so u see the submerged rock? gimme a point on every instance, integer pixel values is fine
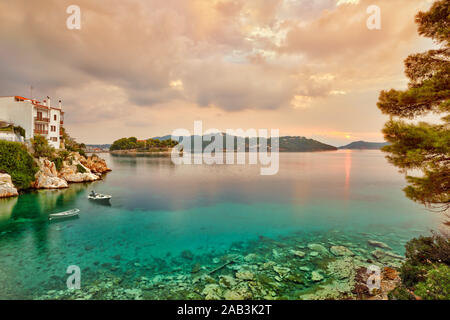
(212, 292)
(341, 251)
(196, 268)
(298, 253)
(186, 254)
(245, 275)
(240, 292)
(316, 276)
(251, 257)
(378, 244)
(342, 268)
(318, 248)
(282, 271)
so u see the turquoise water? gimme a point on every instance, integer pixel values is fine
(165, 219)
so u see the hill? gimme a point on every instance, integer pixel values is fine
(364, 145)
(286, 143)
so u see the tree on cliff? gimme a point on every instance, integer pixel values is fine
(423, 146)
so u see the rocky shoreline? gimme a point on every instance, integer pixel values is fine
(75, 169)
(268, 269)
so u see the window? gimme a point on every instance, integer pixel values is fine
(54, 139)
(54, 117)
(53, 128)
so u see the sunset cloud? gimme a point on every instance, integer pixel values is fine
(298, 59)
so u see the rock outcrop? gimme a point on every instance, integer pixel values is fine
(71, 174)
(7, 188)
(387, 280)
(95, 164)
(47, 176)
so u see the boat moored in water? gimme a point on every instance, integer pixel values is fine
(98, 196)
(64, 215)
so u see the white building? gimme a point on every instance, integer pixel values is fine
(35, 117)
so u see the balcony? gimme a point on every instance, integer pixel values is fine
(61, 122)
(37, 119)
(37, 131)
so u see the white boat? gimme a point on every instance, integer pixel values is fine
(65, 214)
(98, 196)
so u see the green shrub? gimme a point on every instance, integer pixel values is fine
(80, 168)
(41, 147)
(18, 163)
(400, 293)
(425, 250)
(437, 284)
(412, 274)
(63, 154)
(426, 270)
(82, 153)
(58, 163)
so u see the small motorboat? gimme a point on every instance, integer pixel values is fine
(64, 215)
(98, 196)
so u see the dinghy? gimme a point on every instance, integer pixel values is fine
(64, 215)
(98, 196)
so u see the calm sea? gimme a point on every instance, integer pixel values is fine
(159, 210)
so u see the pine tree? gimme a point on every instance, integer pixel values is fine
(420, 146)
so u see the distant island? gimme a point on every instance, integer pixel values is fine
(165, 144)
(364, 145)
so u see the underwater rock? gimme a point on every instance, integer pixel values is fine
(298, 253)
(251, 257)
(196, 268)
(227, 281)
(268, 265)
(186, 254)
(383, 255)
(305, 269)
(341, 251)
(378, 244)
(133, 293)
(318, 248)
(316, 276)
(275, 253)
(282, 271)
(342, 268)
(245, 275)
(297, 278)
(240, 292)
(314, 254)
(116, 257)
(212, 292)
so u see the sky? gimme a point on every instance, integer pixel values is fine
(145, 68)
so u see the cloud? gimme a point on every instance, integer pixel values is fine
(226, 55)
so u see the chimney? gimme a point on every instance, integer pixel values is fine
(48, 101)
(60, 105)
